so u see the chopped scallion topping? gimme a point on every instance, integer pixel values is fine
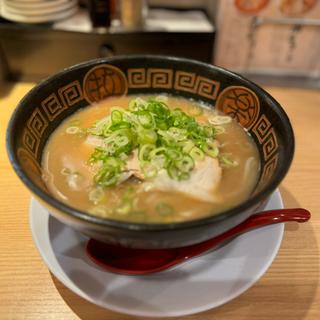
(124, 208)
(168, 139)
(116, 116)
(164, 209)
(73, 130)
(219, 120)
(227, 162)
(196, 153)
(96, 195)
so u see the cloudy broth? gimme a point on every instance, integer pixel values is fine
(70, 177)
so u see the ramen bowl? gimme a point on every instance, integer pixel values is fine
(53, 100)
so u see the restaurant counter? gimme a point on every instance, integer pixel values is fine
(289, 289)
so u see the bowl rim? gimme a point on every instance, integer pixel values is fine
(134, 226)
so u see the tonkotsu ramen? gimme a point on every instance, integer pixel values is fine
(151, 160)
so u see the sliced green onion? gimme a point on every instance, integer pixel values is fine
(121, 140)
(109, 173)
(219, 120)
(174, 154)
(186, 164)
(187, 146)
(116, 116)
(164, 209)
(118, 126)
(158, 108)
(144, 152)
(176, 174)
(162, 124)
(227, 162)
(124, 208)
(99, 154)
(137, 104)
(196, 153)
(219, 130)
(157, 151)
(146, 136)
(133, 106)
(177, 134)
(146, 120)
(96, 195)
(106, 177)
(167, 139)
(212, 152)
(209, 131)
(73, 130)
(211, 148)
(100, 127)
(111, 161)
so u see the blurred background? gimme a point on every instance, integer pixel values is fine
(272, 42)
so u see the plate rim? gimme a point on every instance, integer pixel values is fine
(61, 276)
(37, 11)
(39, 18)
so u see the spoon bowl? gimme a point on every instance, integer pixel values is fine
(145, 261)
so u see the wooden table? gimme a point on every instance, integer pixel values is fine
(290, 289)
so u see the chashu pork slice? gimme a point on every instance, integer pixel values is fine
(202, 184)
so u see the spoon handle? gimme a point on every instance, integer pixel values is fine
(258, 220)
(276, 216)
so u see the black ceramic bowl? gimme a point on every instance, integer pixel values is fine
(57, 97)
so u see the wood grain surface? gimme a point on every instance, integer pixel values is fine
(289, 290)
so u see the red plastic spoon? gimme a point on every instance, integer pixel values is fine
(144, 261)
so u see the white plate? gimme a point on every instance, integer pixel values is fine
(36, 10)
(35, 2)
(38, 19)
(198, 285)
